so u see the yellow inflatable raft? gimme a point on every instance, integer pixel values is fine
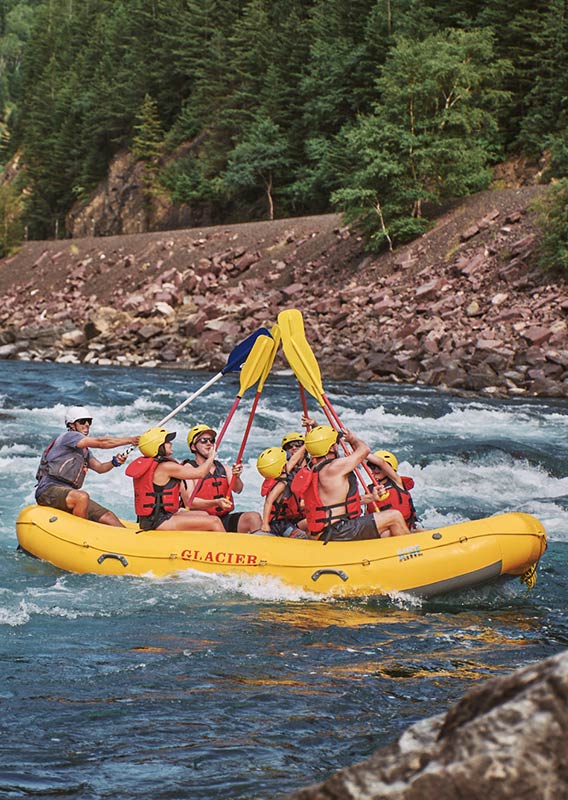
(426, 563)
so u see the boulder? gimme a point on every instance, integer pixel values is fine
(504, 740)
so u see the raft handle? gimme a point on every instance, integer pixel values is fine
(122, 559)
(339, 572)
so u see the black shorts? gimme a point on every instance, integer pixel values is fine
(347, 530)
(151, 523)
(231, 521)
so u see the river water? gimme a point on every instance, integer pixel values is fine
(197, 687)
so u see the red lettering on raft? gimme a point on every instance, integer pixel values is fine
(222, 557)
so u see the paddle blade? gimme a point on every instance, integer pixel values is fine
(255, 362)
(238, 354)
(299, 353)
(275, 333)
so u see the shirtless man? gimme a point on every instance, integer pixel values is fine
(332, 504)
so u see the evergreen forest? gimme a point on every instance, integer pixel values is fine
(255, 109)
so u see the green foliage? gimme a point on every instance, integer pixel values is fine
(148, 139)
(426, 140)
(554, 225)
(257, 160)
(372, 102)
(11, 218)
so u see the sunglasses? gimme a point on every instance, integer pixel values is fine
(293, 444)
(85, 421)
(206, 440)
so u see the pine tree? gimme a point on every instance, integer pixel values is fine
(428, 137)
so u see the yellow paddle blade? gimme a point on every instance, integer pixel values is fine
(275, 333)
(299, 353)
(255, 363)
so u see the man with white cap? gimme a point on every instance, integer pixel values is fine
(64, 464)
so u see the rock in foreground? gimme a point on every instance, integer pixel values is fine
(505, 740)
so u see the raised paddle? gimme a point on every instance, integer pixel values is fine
(275, 333)
(235, 361)
(251, 372)
(306, 368)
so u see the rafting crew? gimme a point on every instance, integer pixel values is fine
(65, 462)
(332, 504)
(283, 513)
(210, 493)
(391, 490)
(157, 478)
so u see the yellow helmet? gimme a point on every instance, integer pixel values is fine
(151, 440)
(320, 439)
(271, 462)
(293, 436)
(389, 457)
(196, 431)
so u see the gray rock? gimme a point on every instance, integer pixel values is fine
(505, 740)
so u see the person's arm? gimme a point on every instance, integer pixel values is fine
(235, 470)
(346, 464)
(173, 469)
(106, 466)
(271, 497)
(106, 442)
(298, 456)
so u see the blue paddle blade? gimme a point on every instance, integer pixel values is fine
(238, 355)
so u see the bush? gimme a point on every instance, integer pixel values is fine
(553, 220)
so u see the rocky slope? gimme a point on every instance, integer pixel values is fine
(463, 307)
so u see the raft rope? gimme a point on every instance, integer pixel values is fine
(529, 577)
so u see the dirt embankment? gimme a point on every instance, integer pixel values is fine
(463, 307)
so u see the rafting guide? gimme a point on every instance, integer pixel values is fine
(65, 462)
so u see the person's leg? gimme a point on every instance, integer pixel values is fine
(77, 502)
(98, 513)
(110, 518)
(249, 521)
(390, 523)
(192, 521)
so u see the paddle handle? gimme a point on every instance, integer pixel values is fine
(244, 442)
(189, 399)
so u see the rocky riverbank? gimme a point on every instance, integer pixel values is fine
(464, 307)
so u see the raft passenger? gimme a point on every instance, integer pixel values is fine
(282, 513)
(157, 477)
(212, 493)
(64, 464)
(392, 490)
(332, 504)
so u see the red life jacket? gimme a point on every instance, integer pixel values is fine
(150, 499)
(319, 516)
(286, 507)
(399, 499)
(214, 486)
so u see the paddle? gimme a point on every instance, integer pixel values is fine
(235, 361)
(306, 368)
(251, 372)
(275, 333)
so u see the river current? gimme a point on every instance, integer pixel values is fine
(234, 689)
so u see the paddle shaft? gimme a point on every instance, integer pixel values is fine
(244, 442)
